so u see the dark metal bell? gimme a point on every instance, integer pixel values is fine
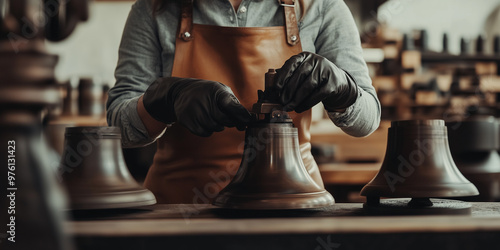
(474, 143)
(418, 164)
(95, 173)
(272, 174)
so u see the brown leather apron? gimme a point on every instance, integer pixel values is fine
(192, 169)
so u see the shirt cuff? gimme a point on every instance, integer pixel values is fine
(348, 117)
(134, 133)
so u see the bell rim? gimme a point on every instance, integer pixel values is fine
(276, 201)
(428, 191)
(408, 123)
(111, 200)
(399, 206)
(93, 131)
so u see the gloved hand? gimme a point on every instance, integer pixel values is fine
(201, 106)
(307, 79)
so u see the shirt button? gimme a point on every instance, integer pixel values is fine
(243, 9)
(231, 19)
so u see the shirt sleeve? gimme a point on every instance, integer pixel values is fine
(139, 64)
(339, 41)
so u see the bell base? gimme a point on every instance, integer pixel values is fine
(403, 207)
(230, 213)
(110, 200)
(488, 185)
(275, 202)
(421, 191)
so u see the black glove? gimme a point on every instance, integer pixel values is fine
(307, 79)
(201, 106)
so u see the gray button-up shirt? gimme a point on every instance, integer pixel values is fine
(148, 45)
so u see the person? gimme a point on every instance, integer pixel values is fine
(189, 71)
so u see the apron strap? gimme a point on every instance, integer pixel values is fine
(186, 23)
(291, 27)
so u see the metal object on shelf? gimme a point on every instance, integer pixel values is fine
(323, 152)
(445, 43)
(408, 42)
(90, 97)
(417, 165)
(95, 173)
(496, 45)
(463, 46)
(479, 45)
(70, 100)
(424, 40)
(69, 13)
(272, 175)
(474, 143)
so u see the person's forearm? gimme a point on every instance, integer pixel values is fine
(154, 127)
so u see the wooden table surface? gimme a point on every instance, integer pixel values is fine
(202, 226)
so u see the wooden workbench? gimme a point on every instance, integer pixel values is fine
(345, 180)
(342, 226)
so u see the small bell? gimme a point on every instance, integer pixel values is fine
(95, 173)
(474, 143)
(272, 175)
(418, 165)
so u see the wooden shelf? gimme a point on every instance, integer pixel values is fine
(433, 57)
(348, 173)
(80, 121)
(352, 149)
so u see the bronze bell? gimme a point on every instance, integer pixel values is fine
(95, 173)
(272, 174)
(418, 165)
(474, 143)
